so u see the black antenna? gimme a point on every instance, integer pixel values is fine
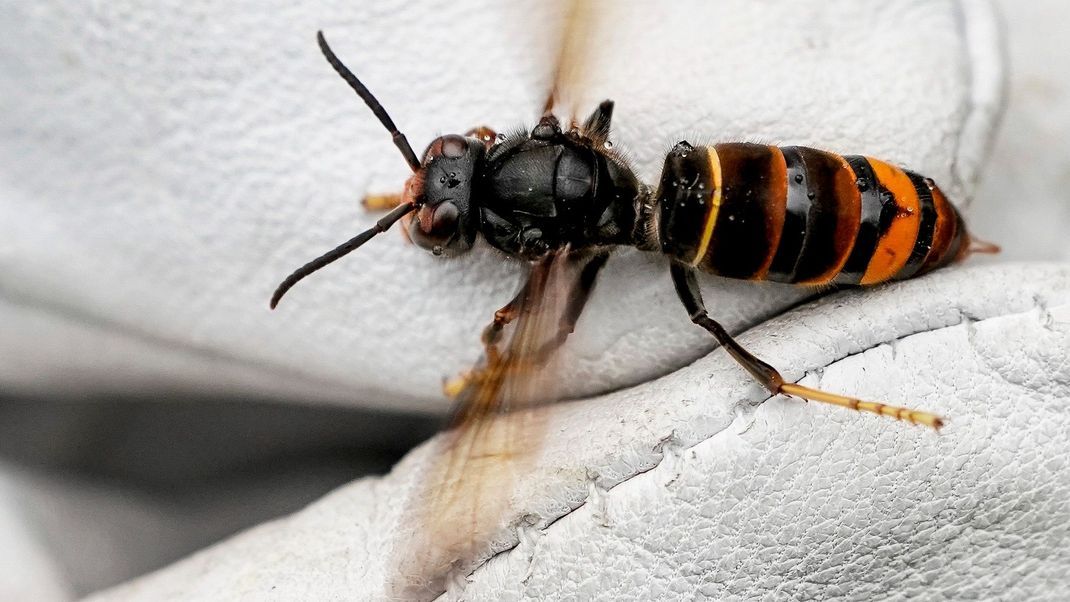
(365, 94)
(340, 251)
(383, 224)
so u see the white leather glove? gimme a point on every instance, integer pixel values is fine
(696, 484)
(161, 241)
(174, 165)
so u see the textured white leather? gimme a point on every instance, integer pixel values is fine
(696, 484)
(28, 568)
(1028, 159)
(163, 166)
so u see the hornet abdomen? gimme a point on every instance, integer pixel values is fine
(800, 215)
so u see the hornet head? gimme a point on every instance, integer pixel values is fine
(446, 220)
(439, 191)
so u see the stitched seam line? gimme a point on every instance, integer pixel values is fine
(752, 406)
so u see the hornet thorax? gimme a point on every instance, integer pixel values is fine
(549, 188)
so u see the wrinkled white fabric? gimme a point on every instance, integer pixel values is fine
(28, 568)
(1023, 195)
(695, 485)
(165, 165)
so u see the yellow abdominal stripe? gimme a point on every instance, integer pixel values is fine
(715, 207)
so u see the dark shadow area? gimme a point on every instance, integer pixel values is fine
(162, 443)
(153, 480)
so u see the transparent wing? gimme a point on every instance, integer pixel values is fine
(464, 494)
(572, 59)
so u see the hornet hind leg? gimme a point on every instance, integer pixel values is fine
(687, 288)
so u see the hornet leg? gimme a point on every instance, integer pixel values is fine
(574, 308)
(687, 288)
(492, 334)
(381, 202)
(534, 285)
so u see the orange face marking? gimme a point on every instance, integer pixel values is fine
(894, 248)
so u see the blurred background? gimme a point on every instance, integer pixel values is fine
(1023, 200)
(108, 473)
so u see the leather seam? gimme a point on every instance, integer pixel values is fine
(749, 407)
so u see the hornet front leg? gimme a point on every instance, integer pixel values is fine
(530, 293)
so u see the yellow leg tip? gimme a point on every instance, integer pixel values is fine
(905, 414)
(380, 202)
(453, 387)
